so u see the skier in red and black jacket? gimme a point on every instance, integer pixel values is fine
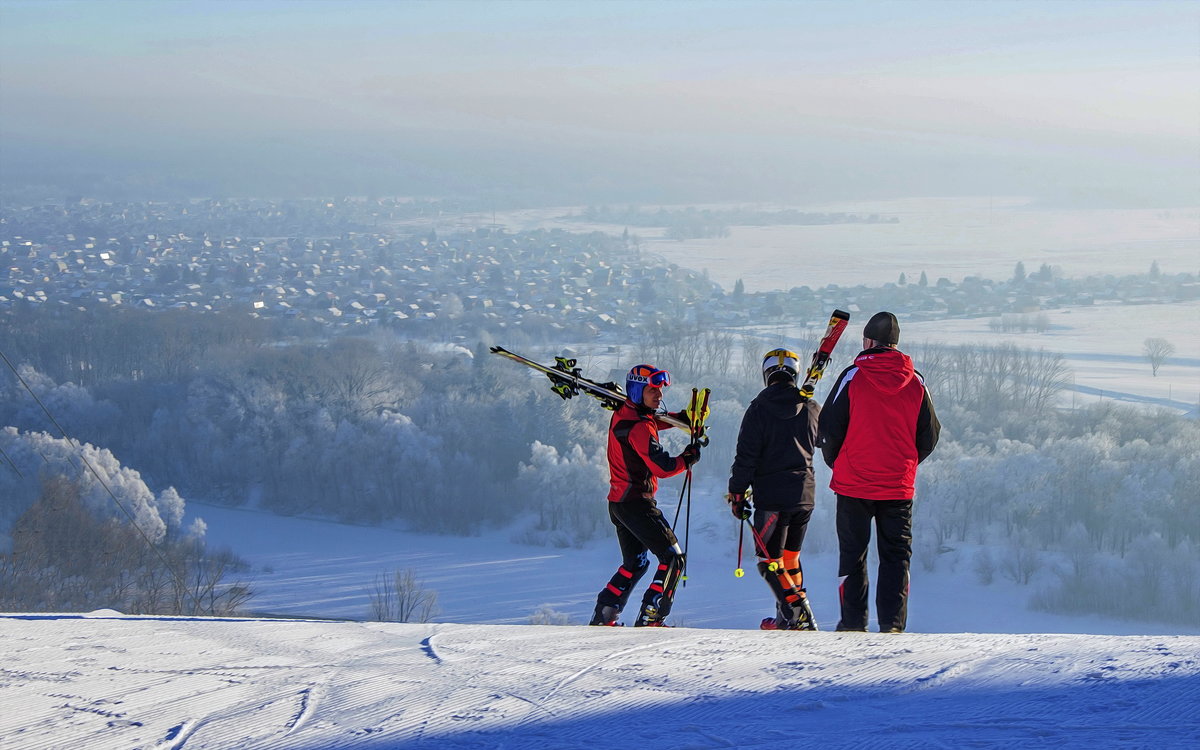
(877, 424)
(636, 462)
(775, 448)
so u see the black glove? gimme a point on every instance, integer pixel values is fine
(691, 454)
(739, 505)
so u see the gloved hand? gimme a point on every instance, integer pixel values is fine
(739, 506)
(691, 454)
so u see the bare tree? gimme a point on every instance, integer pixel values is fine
(717, 353)
(1157, 350)
(752, 351)
(994, 377)
(1022, 560)
(400, 597)
(201, 585)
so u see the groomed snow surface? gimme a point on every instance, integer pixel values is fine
(106, 681)
(479, 678)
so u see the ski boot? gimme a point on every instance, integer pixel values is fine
(650, 617)
(605, 615)
(802, 614)
(783, 619)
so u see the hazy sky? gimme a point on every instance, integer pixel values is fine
(1085, 102)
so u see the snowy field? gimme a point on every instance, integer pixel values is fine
(103, 682)
(951, 237)
(1101, 344)
(311, 568)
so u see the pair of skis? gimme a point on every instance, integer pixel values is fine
(568, 381)
(820, 358)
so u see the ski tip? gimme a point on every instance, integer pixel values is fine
(841, 315)
(499, 350)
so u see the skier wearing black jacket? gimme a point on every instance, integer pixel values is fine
(774, 457)
(877, 425)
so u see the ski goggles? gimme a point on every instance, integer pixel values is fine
(647, 375)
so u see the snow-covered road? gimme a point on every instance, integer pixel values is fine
(107, 681)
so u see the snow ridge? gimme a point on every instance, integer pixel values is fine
(176, 684)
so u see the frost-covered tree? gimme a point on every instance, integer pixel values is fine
(107, 489)
(566, 491)
(52, 406)
(66, 556)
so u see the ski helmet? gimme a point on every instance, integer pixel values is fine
(780, 360)
(640, 377)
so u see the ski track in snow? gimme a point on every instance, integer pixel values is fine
(190, 684)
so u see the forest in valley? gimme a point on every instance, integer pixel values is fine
(1092, 506)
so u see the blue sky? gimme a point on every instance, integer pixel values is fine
(721, 100)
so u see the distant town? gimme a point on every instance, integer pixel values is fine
(349, 263)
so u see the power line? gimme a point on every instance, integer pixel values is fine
(11, 463)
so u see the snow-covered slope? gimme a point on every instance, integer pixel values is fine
(107, 681)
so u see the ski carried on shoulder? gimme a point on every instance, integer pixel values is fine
(820, 359)
(568, 381)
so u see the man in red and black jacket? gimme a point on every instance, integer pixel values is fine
(877, 424)
(636, 462)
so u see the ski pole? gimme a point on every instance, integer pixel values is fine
(687, 478)
(760, 545)
(684, 492)
(738, 572)
(687, 524)
(760, 548)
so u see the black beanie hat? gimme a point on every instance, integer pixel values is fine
(883, 327)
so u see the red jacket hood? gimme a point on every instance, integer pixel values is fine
(886, 370)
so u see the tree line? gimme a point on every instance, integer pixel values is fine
(372, 428)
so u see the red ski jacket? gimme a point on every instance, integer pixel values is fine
(636, 461)
(876, 425)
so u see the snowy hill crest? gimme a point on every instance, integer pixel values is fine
(110, 681)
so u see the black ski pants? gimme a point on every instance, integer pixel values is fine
(893, 522)
(779, 530)
(778, 537)
(640, 527)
